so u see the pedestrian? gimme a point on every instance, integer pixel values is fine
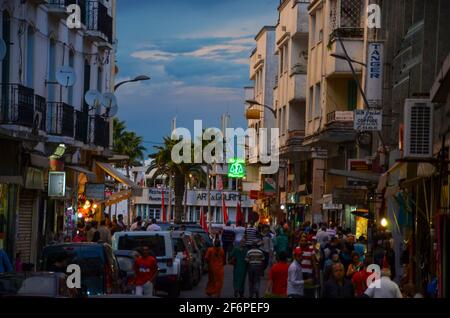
(136, 224)
(338, 286)
(295, 282)
(145, 269)
(237, 258)
(104, 232)
(60, 261)
(359, 279)
(384, 287)
(278, 277)
(153, 226)
(91, 233)
(360, 248)
(309, 265)
(5, 263)
(121, 223)
(281, 242)
(228, 237)
(255, 260)
(322, 235)
(355, 266)
(266, 246)
(239, 231)
(215, 257)
(80, 235)
(251, 235)
(327, 270)
(346, 255)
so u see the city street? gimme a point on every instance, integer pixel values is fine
(227, 291)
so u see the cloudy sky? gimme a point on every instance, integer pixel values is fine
(195, 51)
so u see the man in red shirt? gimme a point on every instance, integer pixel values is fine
(145, 268)
(278, 277)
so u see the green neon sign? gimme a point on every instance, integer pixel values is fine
(236, 168)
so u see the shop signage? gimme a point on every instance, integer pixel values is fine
(269, 185)
(374, 79)
(349, 196)
(368, 120)
(56, 184)
(95, 191)
(236, 168)
(359, 165)
(318, 153)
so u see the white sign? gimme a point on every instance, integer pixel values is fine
(374, 81)
(56, 184)
(318, 153)
(368, 120)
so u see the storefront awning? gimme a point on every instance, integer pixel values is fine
(116, 174)
(373, 177)
(90, 175)
(116, 198)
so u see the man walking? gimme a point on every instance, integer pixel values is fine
(104, 232)
(254, 259)
(145, 268)
(228, 236)
(278, 277)
(338, 286)
(153, 226)
(384, 287)
(295, 281)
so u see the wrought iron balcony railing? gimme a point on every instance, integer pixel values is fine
(60, 119)
(346, 18)
(16, 105)
(99, 131)
(81, 126)
(99, 23)
(40, 109)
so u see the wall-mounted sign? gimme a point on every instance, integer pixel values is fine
(236, 168)
(368, 120)
(359, 165)
(95, 191)
(374, 81)
(318, 153)
(56, 184)
(270, 185)
(349, 196)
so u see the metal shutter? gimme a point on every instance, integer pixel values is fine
(24, 225)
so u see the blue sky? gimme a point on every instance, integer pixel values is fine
(195, 51)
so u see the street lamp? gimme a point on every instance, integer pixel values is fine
(252, 103)
(136, 79)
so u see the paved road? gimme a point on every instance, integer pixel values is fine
(227, 292)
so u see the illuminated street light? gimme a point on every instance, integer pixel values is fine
(282, 207)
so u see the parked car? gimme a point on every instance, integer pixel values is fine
(100, 273)
(126, 261)
(160, 243)
(190, 258)
(36, 284)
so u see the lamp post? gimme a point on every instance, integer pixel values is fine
(252, 103)
(136, 79)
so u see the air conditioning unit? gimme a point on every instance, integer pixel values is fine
(418, 134)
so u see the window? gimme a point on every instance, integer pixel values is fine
(99, 84)
(281, 60)
(30, 57)
(311, 102)
(317, 101)
(286, 57)
(313, 30)
(87, 82)
(352, 94)
(70, 92)
(6, 35)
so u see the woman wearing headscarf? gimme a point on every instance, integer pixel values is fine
(215, 258)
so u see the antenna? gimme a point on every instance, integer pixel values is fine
(93, 98)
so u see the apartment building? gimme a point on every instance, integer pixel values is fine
(46, 127)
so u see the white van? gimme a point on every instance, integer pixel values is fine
(160, 243)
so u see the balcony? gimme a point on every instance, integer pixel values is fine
(59, 7)
(292, 142)
(99, 24)
(339, 127)
(60, 119)
(81, 126)
(346, 19)
(99, 131)
(301, 18)
(40, 107)
(297, 83)
(16, 105)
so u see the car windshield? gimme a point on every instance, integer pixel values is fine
(134, 242)
(33, 285)
(125, 263)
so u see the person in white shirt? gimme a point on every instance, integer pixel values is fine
(135, 225)
(295, 284)
(239, 231)
(384, 287)
(153, 226)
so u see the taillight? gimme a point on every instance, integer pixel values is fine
(170, 262)
(108, 279)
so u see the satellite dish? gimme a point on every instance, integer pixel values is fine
(111, 112)
(109, 100)
(65, 76)
(93, 98)
(3, 49)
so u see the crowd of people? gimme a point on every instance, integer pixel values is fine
(312, 261)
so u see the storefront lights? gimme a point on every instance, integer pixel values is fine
(384, 222)
(80, 215)
(283, 207)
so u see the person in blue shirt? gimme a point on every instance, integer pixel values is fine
(360, 248)
(5, 263)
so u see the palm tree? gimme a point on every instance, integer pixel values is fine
(127, 143)
(163, 165)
